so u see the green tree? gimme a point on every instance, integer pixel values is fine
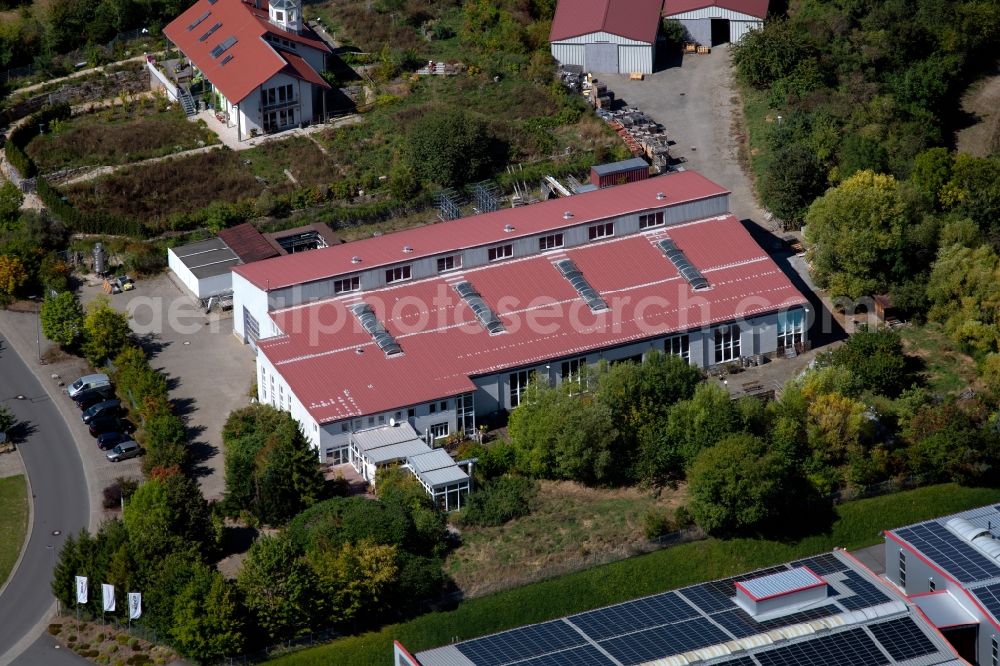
(767, 55)
(10, 205)
(207, 619)
(500, 501)
(279, 588)
(356, 579)
(931, 172)
(271, 470)
(62, 319)
(6, 419)
(856, 234)
(876, 361)
(964, 291)
(168, 514)
(697, 424)
(792, 181)
(105, 331)
(737, 485)
(450, 147)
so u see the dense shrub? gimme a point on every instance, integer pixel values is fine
(499, 501)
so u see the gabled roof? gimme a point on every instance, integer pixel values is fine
(633, 19)
(225, 40)
(756, 8)
(300, 69)
(248, 243)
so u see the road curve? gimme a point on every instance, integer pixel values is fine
(60, 502)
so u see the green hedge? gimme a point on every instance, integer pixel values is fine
(28, 130)
(858, 524)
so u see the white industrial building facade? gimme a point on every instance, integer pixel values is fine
(606, 36)
(435, 327)
(717, 22)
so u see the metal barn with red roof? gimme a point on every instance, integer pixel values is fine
(442, 326)
(606, 36)
(712, 22)
(261, 61)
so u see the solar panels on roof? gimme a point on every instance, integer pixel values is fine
(223, 46)
(950, 551)
(681, 263)
(483, 313)
(210, 31)
(385, 341)
(576, 279)
(902, 639)
(198, 21)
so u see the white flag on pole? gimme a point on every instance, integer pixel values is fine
(81, 589)
(134, 605)
(109, 597)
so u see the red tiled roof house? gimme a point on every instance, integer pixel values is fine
(606, 36)
(262, 63)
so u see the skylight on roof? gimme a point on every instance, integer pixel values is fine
(575, 277)
(681, 263)
(210, 31)
(226, 59)
(374, 327)
(199, 20)
(479, 307)
(223, 46)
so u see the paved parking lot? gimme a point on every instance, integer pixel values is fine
(208, 369)
(695, 101)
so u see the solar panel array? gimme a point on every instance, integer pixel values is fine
(702, 615)
(902, 639)
(949, 551)
(865, 594)
(575, 277)
(849, 648)
(374, 327)
(681, 263)
(989, 597)
(483, 313)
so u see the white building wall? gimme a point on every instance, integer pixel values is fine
(272, 389)
(715, 12)
(315, 57)
(246, 295)
(737, 29)
(182, 272)
(569, 54)
(635, 59)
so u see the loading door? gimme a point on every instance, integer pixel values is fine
(602, 58)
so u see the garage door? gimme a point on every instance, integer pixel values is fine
(602, 58)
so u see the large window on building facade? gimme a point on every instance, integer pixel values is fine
(550, 242)
(902, 568)
(397, 274)
(791, 328)
(500, 252)
(678, 345)
(569, 371)
(517, 384)
(727, 343)
(347, 285)
(465, 412)
(651, 220)
(601, 230)
(449, 263)
(439, 430)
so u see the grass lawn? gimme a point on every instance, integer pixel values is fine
(759, 119)
(135, 131)
(572, 527)
(947, 370)
(858, 524)
(13, 522)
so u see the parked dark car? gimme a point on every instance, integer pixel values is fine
(110, 440)
(106, 408)
(103, 424)
(88, 399)
(124, 451)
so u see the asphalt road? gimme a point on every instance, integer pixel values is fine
(59, 492)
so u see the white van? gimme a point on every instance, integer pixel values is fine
(87, 382)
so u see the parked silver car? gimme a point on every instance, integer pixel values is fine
(124, 451)
(87, 382)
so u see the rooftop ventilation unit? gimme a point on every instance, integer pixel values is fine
(478, 306)
(355, 259)
(681, 263)
(792, 588)
(508, 228)
(575, 278)
(407, 249)
(374, 327)
(660, 196)
(568, 215)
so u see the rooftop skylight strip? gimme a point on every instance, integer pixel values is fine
(478, 305)
(385, 341)
(576, 279)
(681, 263)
